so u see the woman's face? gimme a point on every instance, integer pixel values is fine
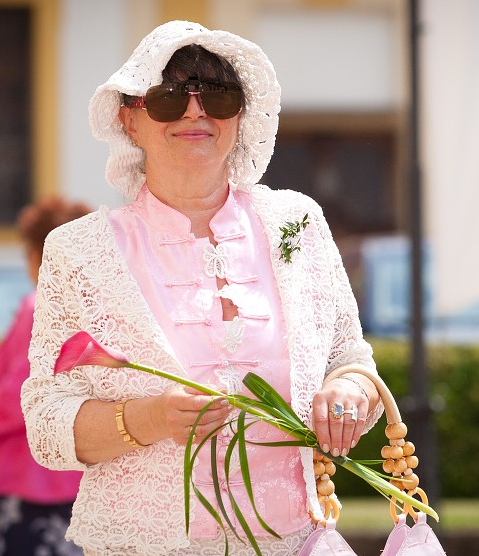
(194, 141)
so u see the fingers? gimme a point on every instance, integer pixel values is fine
(339, 416)
(182, 407)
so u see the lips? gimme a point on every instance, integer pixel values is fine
(193, 134)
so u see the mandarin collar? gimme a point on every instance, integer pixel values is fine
(170, 223)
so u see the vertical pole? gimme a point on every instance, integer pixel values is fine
(418, 408)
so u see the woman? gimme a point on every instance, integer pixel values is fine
(189, 278)
(35, 503)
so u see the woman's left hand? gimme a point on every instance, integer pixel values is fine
(339, 415)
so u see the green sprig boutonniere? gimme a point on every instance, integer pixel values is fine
(291, 237)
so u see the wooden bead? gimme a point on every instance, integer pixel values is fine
(319, 468)
(397, 442)
(386, 452)
(325, 488)
(396, 430)
(396, 452)
(400, 465)
(409, 448)
(412, 462)
(388, 466)
(411, 481)
(330, 468)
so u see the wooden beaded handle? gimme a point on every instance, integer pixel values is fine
(399, 458)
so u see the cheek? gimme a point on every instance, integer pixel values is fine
(230, 132)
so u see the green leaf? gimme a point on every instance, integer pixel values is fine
(269, 396)
(243, 457)
(236, 509)
(213, 513)
(216, 484)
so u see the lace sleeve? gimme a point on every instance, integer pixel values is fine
(50, 404)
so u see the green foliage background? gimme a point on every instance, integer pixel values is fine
(454, 390)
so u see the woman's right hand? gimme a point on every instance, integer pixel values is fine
(175, 411)
(147, 420)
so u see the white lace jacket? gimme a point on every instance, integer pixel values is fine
(135, 502)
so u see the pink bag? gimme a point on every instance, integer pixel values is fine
(419, 540)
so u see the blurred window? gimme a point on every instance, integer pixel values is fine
(350, 175)
(15, 112)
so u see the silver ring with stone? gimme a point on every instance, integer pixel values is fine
(337, 411)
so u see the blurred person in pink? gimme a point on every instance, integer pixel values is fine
(35, 502)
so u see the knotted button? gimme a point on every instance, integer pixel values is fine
(215, 260)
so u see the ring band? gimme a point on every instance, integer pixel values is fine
(353, 412)
(337, 411)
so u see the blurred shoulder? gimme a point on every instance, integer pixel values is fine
(284, 201)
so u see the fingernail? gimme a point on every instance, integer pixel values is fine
(353, 443)
(325, 448)
(344, 452)
(224, 402)
(335, 452)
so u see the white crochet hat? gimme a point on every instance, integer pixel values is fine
(258, 124)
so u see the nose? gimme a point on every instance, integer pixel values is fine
(194, 108)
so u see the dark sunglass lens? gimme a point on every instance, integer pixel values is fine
(221, 100)
(221, 105)
(165, 104)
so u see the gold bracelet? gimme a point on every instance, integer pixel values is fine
(120, 425)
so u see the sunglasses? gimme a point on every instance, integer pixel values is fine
(166, 103)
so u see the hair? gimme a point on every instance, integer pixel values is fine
(194, 61)
(37, 220)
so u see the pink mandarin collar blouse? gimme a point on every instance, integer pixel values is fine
(177, 274)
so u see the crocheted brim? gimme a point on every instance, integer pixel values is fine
(258, 123)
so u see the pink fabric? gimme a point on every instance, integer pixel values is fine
(20, 475)
(177, 274)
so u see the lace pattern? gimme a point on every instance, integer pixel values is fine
(134, 503)
(289, 545)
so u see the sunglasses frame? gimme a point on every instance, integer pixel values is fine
(186, 89)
